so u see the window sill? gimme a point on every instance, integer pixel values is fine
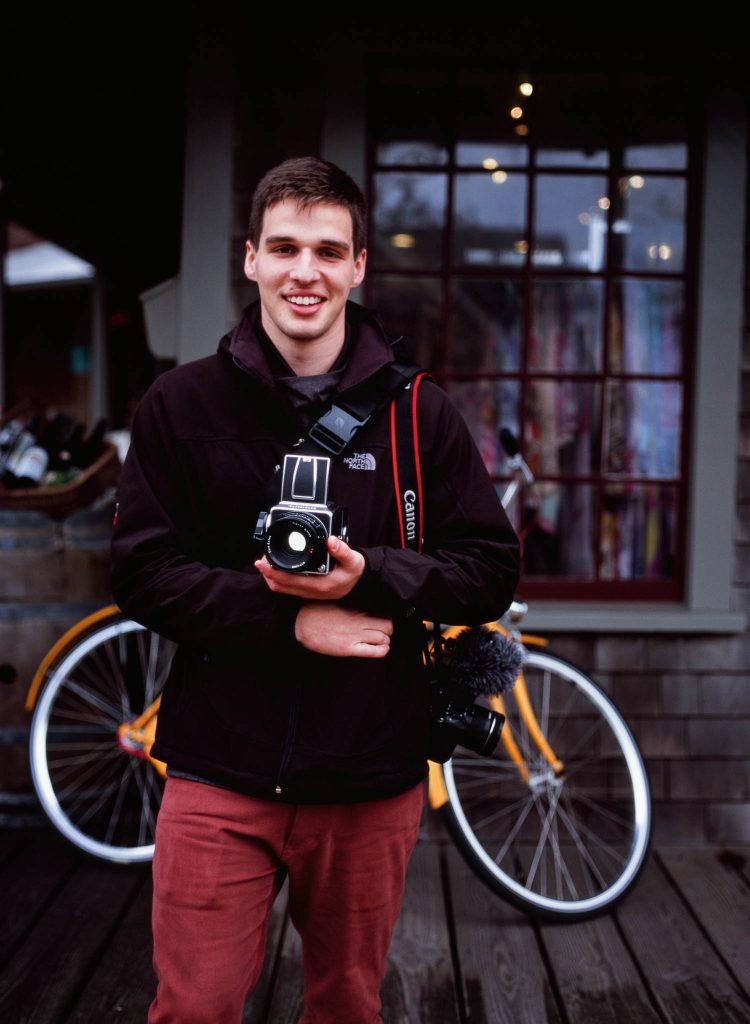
(627, 617)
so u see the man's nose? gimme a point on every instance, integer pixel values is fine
(304, 267)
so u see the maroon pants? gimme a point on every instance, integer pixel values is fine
(219, 863)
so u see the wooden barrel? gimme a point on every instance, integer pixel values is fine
(52, 573)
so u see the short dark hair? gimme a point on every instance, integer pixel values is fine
(309, 180)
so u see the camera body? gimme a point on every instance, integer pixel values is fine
(295, 531)
(456, 718)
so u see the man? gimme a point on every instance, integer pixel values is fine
(294, 721)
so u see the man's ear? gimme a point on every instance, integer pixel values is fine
(249, 266)
(359, 268)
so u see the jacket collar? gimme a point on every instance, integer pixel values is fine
(371, 347)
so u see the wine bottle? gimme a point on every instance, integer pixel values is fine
(16, 473)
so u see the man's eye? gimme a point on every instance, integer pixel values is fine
(330, 254)
(283, 249)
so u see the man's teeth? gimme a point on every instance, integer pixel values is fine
(304, 300)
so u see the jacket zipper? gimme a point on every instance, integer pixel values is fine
(291, 734)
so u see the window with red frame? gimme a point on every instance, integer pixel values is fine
(531, 237)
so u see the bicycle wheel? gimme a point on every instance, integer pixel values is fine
(562, 844)
(100, 796)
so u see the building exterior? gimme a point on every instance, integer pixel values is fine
(561, 231)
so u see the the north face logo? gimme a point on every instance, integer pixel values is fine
(360, 460)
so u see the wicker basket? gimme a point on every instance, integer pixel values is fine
(60, 501)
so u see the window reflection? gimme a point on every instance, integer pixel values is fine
(570, 228)
(409, 214)
(488, 219)
(481, 154)
(414, 152)
(411, 306)
(487, 407)
(559, 530)
(638, 532)
(562, 427)
(644, 423)
(646, 326)
(651, 229)
(485, 332)
(566, 326)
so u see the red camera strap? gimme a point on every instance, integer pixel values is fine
(407, 470)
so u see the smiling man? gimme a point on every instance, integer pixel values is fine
(294, 720)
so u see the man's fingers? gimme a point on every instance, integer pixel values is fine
(368, 650)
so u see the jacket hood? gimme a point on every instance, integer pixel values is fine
(371, 348)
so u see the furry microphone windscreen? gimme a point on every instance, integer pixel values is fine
(486, 661)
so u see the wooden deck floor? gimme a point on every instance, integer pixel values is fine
(75, 946)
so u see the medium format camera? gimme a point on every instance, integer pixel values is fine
(294, 532)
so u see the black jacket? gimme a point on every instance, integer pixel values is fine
(245, 705)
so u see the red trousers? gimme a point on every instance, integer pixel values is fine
(220, 861)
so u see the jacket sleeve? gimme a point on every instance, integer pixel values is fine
(469, 566)
(157, 577)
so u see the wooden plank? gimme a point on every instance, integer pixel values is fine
(28, 881)
(502, 972)
(44, 976)
(123, 983)
(596, 976)
(420, 984)
(719, 897)
(687, 979)
(256, 1007)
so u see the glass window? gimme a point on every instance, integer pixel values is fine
(489, 216)
(409, 217)
(544, 273)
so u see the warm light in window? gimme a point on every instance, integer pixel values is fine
(584, 218)
(636, 181)
(521, 246)
(665, 252)
(489, 163)
(603, 203)
(516, 113)
(522, 129)
(403, 241)
(499, 177)
(526, 88)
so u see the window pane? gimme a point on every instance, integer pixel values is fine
(411, 153)
(410, 306)
(667, 156)
(566, 326)
(562, 427)
(644, 419)
(488, 219)
(560, 531)
(572, 158)
(409, 214)
(650, 234)
(485, 326)
(488, 406)
(570, 227)
(646, 327)
(492, 156)
(638, 532)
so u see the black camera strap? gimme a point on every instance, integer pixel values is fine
(336, 428)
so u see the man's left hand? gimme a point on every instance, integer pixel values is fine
(337, 583)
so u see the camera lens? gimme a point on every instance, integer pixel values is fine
(296, 542)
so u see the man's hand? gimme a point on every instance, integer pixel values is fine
(334, 585)
(342, 632)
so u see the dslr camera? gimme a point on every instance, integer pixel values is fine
(294, 532)
(455, 718)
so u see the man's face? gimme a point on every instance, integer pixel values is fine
(305, 266)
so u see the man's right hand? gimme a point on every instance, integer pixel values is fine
(327, 628)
